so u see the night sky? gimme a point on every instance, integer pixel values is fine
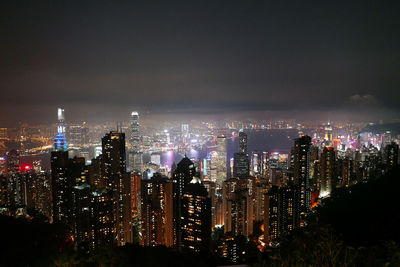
(266, 59)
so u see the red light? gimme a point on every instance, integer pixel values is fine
(27, 167)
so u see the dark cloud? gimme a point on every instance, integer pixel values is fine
(102, 58)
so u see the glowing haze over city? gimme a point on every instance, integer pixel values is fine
(205, 133)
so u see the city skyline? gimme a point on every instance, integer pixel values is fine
(199, 133)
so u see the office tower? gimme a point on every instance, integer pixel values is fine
(60, 142)
(242, 142)
(196, 218)
(261, 189)
(185, 132)
(216, 203)
(238, 206)
(213, 166)
(136, 180)
(102, 219)
(42, 193)
(301, 165)
(14, 182)
(327, 165)
(65, 175)
(82, 216)
(135, 154)
(346, 171)
(118, 185)
(271, 215)
(96, 174)
(77, 135)
(256, 164)
(240, 165)
(134, 138)
(279, 212)
(157, 211)
(221, 163)
(391, 154)
(183, 174)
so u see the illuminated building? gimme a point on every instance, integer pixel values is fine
(65, 174)
(327, 164)
(196, 218)
(183, 174)
(242, 142)
(60, 142)
(185, 132)
(301, 166)
(280, 212)
(221, 163)
(255, 164)
(157, 211)
(102, 224)
(240, 165)
(136, 179)
(134, 138)
(261, 189)
(216, 203)
(391, 154)
(118, 185)
(135, 154)
(14, 183)
(271, 215)
(77, 135)
(238, 206)
(213, 166)
(82, 216)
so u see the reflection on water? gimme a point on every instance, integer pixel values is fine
(258, 140)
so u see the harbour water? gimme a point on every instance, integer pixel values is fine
(278, 140)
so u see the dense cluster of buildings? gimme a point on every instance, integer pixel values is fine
(117, 198)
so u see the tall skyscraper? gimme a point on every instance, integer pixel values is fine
(65, 175)
(240, 165)
(238, 206)
(196, 218)
(118, 185)
(60, 142)
(242, 142)
(301, 165)
(157, 211)
(183, 174)
(134, 138)
(327, 172)
(221, 163)
(135, 155)
(391, 154)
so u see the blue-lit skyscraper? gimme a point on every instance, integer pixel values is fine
(60, 142)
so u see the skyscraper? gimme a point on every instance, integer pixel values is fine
(196, 217)
(221, 162)
(65, 175)
(60, 142)
(184, 173)
(327, 173)
(391, 154)
(157, 211)
(301, 165)
(240, 165)
(242, 142)
(135, 155)
(118, 185)
(238, 206)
